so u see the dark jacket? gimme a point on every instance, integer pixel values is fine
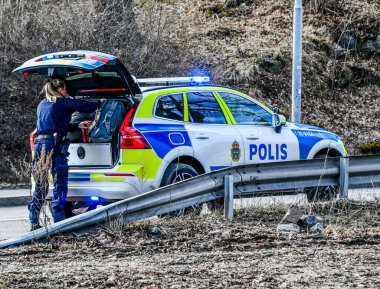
(55, 117)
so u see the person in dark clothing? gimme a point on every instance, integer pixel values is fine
(53, 117)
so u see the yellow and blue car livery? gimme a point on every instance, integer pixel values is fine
(202, 146)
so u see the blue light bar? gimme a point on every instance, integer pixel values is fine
(94, 198)
(170, 81)
(198, 80)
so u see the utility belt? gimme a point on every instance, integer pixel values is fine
(61, 142)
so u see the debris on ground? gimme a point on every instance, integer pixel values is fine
(295, 221)
(154, 230)
(288, 228)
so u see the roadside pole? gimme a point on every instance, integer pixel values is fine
(297, 62)
(229, 197)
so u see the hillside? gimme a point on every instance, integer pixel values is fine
(242, 43)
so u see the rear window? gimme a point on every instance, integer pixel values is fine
(170, 107)
(89, 81)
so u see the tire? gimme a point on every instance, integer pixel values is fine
(76, 208)
(175, 173)
(322, 193)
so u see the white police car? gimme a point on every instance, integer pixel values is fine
(170, 132)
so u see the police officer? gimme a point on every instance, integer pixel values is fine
(53, 117)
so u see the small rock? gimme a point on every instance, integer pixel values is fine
(368, 46)
(236, 3)
(377, 43)
(317, 228)
(348, 42)
(337, 50)
(270, 65)
(154, 230)
(292, 215)
(111, 281)
(309, 221)
(214, 232)
(288, 228)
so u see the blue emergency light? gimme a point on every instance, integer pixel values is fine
(199, 80)
(94, 198)
(171, 81)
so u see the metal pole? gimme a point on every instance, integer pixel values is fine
(297, 62)
(343, 178)
(229, 197)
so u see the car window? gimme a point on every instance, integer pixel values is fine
(203, 108)
(170, 106)
(246, 111)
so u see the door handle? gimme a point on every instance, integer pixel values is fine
(202, 136)
(252, 138)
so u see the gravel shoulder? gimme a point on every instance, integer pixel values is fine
(207, 252)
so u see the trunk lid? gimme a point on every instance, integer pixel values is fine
(86, 73)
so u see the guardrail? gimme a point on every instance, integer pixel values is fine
(248, 180)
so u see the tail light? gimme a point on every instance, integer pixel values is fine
(131, 138)
(31, 139)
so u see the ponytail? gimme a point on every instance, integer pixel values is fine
(51, 87)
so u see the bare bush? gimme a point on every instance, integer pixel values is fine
(31, 28)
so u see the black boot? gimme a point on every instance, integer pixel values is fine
(35, 226)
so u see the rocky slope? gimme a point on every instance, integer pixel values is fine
(248, 44)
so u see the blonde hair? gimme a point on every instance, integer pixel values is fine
(51, 88)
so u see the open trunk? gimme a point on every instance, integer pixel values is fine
(87, 152)
(89, 75)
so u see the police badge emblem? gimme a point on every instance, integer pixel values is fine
(235, 151)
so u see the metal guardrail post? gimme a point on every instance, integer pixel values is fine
(229, 197)
(343, 177)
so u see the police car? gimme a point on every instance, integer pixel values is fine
(174, 129)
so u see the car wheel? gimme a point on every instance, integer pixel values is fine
(175, 173)
(321, 193)
(76, 208)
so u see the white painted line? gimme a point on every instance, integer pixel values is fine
(15, 219)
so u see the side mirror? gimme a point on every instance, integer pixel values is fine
(277, 122)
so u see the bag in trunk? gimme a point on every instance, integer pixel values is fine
(108, 119)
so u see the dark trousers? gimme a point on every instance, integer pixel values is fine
(59, 171)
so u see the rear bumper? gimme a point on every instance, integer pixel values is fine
(105, 191)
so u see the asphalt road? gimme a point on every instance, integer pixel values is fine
(14, 220)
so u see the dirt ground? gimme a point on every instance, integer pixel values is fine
(208, 252)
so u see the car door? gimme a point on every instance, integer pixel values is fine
(254, 123)
(216, 143)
